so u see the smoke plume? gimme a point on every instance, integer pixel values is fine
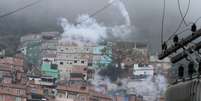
(120, 5)
(151, 88)
(87, 29)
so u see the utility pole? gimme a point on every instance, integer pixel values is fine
(184, 54)
(181, 44)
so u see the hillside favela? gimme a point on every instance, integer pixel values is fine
(100, 50)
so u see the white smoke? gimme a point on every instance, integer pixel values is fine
(86, 30)
(120, 5)
(120, 31)
(98, 81)
(150, 88)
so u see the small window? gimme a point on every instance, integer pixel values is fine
(1, 97)
(18, 91)
(18, 99)
(61, 63)
(54, 67)
(85, 69)
(89, 64)
(83, 88)
(8, 89)
(84, 75)
(75, 61)
(82, 62)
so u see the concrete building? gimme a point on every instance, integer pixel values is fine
(100, 60)
(126, 54)
(162, 65)
(127, 98)
(79, 93)
(81, 73)
(50, 69)
(12, 92)
(38, 45)
(12, 68)
(12, 79)
(143, 70)
(131, 52)
(70, 56)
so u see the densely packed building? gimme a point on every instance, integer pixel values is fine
(17, 85)
(51, 69)
(128, 54)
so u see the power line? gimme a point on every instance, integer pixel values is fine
(183, 19)
(163, 18)
(102, 9)
(180, 11)
(186, 28)
(19, 9)
(197, 20)
(98, 11)
(176, 32)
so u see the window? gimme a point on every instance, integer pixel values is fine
(54, 67)
(61, 63)
(82, 98)
(89, 64)
(18, 91)
(1, 97)
(18, 99)
(8, 89)
(75, 61)
(85, 69)
(82, 62)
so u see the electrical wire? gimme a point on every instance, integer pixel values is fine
(181, 32)
(186, 28)
(163, 18)
(183, 19)
(19, 9)
(197, 20)
(102, 9)
(98, 11)
(180, 11)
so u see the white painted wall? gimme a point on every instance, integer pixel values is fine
(143, 70)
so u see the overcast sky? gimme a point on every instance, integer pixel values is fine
(145, 15)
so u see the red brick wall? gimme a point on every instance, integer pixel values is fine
(11, 98)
